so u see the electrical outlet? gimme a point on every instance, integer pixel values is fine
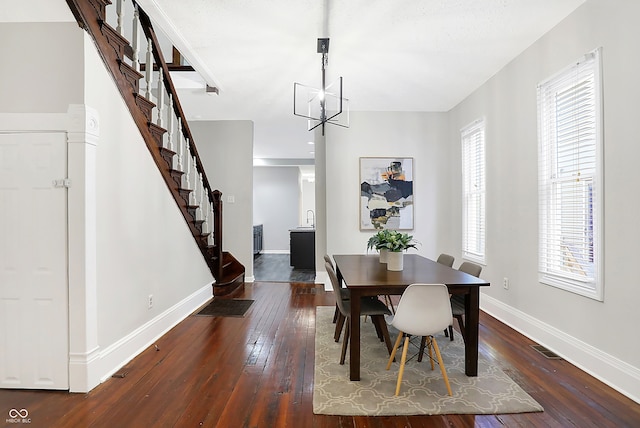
(505, 283)
(150, 302)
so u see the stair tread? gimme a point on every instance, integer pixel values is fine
(116, 53)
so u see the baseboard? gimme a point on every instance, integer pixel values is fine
(110, 359)
(322, 277)
(275, 251)
(619, 375)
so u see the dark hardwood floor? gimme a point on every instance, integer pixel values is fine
(257, 371)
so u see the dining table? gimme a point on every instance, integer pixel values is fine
(365, 275)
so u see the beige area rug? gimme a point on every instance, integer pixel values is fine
(423, 391)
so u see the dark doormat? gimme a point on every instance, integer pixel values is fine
(226, 308)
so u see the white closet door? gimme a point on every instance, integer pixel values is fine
(34, 343)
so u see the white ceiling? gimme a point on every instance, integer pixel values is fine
(394, 55)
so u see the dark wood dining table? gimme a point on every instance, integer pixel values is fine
(364, 275)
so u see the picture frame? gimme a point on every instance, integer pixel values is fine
(386, 193)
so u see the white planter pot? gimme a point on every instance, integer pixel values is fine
(395, 260)
(383, 255)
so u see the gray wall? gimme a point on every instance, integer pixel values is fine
(580, 328)
(226, 149)
(276, 196)
(593, 335)
(423, 136)
(40, 72)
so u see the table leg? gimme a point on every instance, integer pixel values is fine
(472, 319)
(354, 340)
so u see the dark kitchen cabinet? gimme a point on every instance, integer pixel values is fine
(303, 248)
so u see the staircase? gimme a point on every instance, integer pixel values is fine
(151, 97)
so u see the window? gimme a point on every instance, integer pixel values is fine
(570, 178)
(473, 192)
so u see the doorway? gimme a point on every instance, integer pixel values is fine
(33, 261)
(283, 200)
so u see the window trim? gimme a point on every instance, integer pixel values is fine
(593, 287)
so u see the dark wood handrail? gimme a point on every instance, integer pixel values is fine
(170, 88)
(113, 49)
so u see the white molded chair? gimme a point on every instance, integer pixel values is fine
(423, 310)
(457, 301)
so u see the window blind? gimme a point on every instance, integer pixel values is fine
(570, 178)
(473, 189)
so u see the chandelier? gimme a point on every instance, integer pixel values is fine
(321, 105)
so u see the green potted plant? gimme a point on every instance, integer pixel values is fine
(396, 242)
(391, 241)
(378, 242)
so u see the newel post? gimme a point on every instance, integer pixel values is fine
(217, 229)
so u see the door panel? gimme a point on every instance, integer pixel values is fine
(33, 262)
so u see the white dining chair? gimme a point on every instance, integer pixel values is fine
(423, 310)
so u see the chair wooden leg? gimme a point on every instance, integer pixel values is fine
(394, 350)
(444, 371)
(345, 343)
(382, 325)
(461, 324)
(423, 342)
(335, 314)
(430, 346)
(389, 303)
(376, 323)
(339, 325)
(402, 362)
(451, 332)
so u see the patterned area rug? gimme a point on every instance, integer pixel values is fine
(423, 391)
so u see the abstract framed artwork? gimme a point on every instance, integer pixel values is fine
(386, 193)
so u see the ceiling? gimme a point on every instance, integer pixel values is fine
(401, 55)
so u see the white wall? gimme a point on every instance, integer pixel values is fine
(423, 136)
(594, 335)
(276, 196)
(144, 244)
(226, 150)
(140, 241)
(38, 70)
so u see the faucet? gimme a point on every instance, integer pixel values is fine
(313, 218)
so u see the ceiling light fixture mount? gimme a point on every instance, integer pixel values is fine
(324, 105)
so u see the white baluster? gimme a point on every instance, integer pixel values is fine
(136, 41)
(148, 68)
(205, 210)
(188, 161)
(201, 199)
(195, 180)
(170, 123)
(160, 105)
(193, 200)
(180, 146)
(210, 240)
(119, 15)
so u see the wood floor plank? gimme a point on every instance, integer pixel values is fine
(257, 371)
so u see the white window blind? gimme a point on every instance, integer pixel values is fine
(473, 192)
(570, 178)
